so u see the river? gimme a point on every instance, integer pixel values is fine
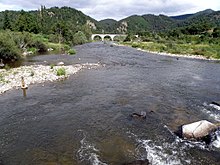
(86, 118)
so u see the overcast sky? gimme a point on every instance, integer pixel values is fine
(117, 9)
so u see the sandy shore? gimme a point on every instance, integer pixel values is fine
(11, 79)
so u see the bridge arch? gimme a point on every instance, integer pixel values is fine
(112, 36)
(95, 36)
(108, 36)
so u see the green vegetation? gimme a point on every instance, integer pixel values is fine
(193, 34)
(161, 23)
(56, 29)
(71, 52)
(186, 44)
(59, 29)
(61, 72)
(14, 44)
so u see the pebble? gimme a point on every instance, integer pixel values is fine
(11, 79)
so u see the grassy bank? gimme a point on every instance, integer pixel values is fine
(206, 50)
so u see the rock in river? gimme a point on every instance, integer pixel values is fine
(141, 115)
(200, 130)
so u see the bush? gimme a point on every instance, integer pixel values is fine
(8, 48)
(66, 47)
(71, 52)
(61, 72)
(32, 49)
(79, 38)
(54, 38)
(135, 45)
(42, 47)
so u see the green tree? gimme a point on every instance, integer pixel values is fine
(8, 48)
(7, 24)
(61, 30)
(26, 22)
(87, 31)
(79, 38)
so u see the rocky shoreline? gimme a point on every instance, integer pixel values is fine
(178, 55)
(174, 55)
(34, 74)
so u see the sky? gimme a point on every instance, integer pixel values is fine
(117, 9)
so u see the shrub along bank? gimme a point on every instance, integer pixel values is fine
(15, 45)
(205, 45)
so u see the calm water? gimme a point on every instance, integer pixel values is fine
(86, 118)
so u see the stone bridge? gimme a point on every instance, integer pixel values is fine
(112, 36)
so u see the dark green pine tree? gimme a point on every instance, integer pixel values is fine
(7, 24)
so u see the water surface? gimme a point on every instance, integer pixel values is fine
(86, 118)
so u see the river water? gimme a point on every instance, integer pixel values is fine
(86, 118)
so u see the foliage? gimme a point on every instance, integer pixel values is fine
(39, 45)
(135, 45)
(25, 22)
(7, 23)
(22, 39)
(129, 37)
(61, 28)
(71, 52)
(8, 48)
(206, 50)
(61, 72)
(79, 38)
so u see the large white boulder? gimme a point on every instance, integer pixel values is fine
(60, 63)
(198, 130)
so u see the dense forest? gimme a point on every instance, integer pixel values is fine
(23, 32)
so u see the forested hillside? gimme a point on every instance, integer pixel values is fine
(67, 20)
(203, 20)
(61, 28)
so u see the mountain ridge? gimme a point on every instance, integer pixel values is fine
(157, 23)
(130, 24)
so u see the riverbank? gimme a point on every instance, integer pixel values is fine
(35, 74)
(159, 49)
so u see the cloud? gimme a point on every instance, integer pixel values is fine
(118, 9)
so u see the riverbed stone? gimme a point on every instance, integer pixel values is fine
(36, 74)
(60, 63)
(200, 130)
(141, 115)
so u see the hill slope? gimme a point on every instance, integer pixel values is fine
(47, 20)
(154, 23)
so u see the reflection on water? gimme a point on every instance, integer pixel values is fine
(43, 128)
